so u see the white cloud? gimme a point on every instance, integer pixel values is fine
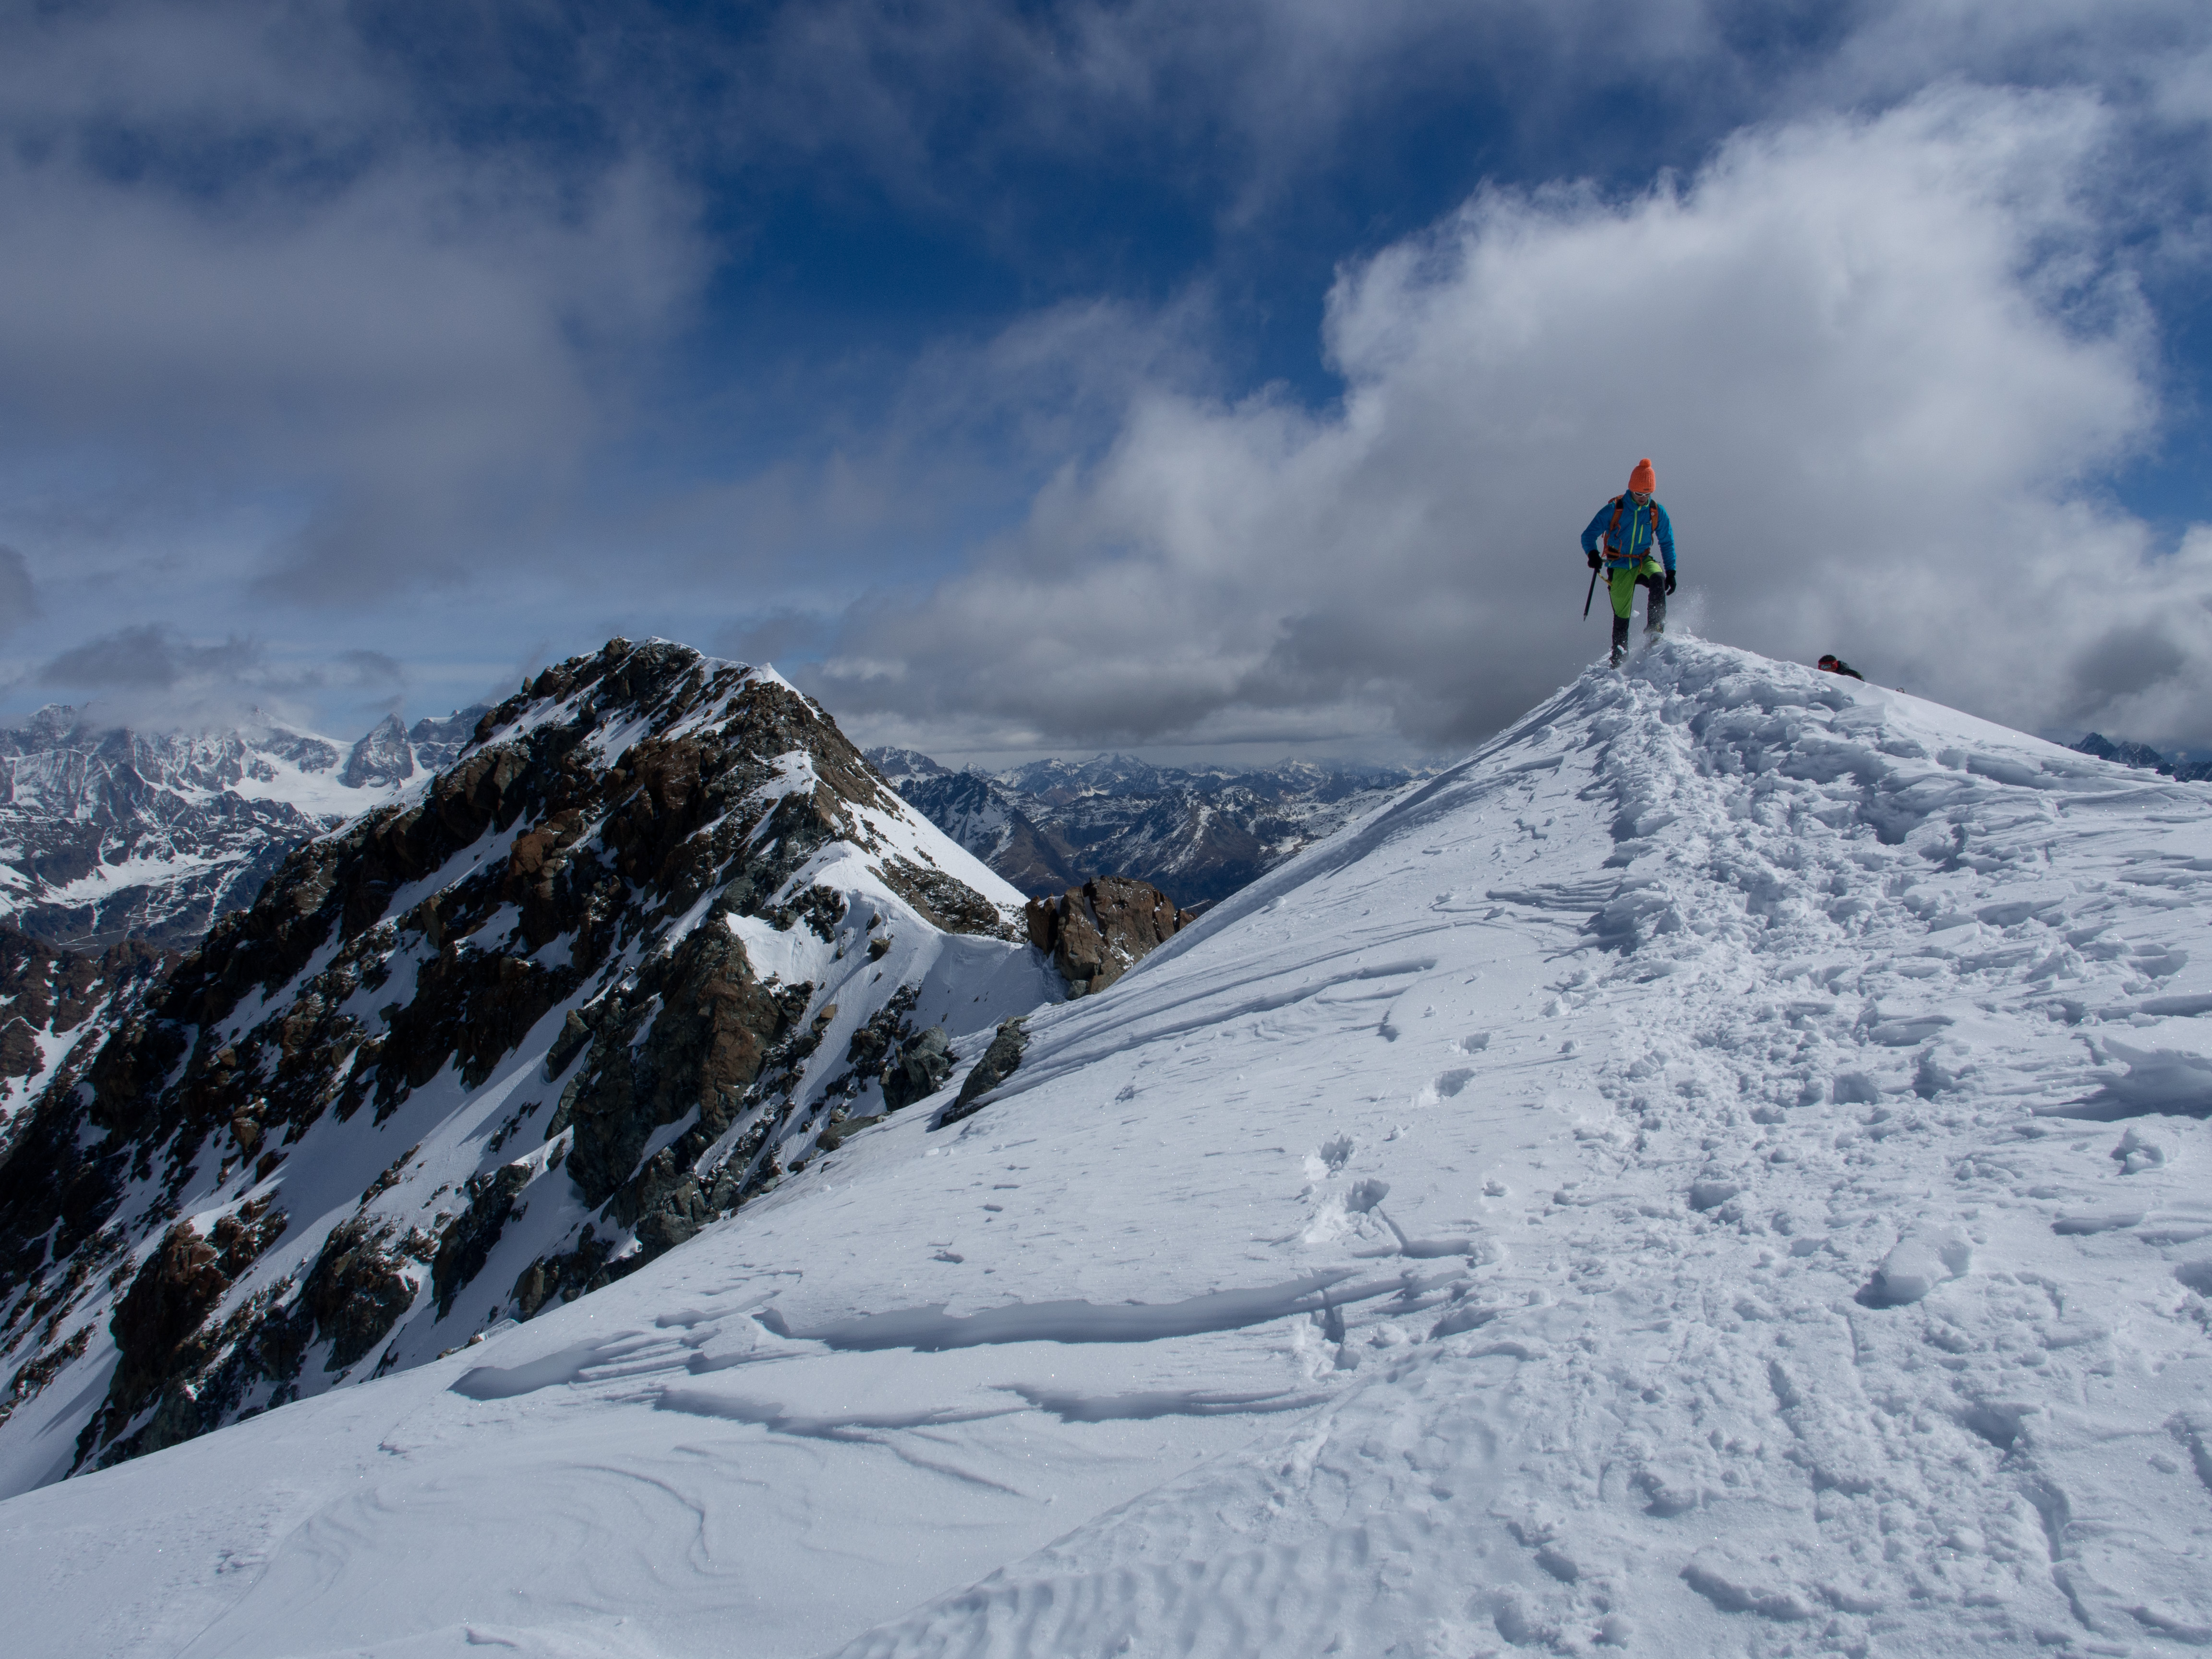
(240, 254)
(1879, 362)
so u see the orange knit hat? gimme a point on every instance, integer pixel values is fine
(1643, 478)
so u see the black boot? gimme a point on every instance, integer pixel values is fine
(1655, 607)
(1620, 640)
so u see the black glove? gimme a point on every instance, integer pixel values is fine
(1670, 581)
(1593, 559)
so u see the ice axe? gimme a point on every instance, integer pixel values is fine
(1592, 594)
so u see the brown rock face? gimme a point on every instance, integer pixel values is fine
(1097, 932)
(998, 1062)
(713, 1025)
(355, 1291)
(179, 1286)
(48, 991)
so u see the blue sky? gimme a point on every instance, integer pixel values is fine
(1024, 377)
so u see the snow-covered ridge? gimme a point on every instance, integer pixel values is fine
(1720, 1171)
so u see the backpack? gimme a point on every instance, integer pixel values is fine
(1612, 530)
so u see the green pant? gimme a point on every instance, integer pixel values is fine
(1620, 581)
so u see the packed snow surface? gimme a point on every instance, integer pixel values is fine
(1721, 1172)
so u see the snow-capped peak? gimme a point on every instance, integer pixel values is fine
(658, 925)
(382, 757)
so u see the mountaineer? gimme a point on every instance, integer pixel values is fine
(1634, 533)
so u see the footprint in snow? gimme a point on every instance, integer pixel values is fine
(1365, 1196)
(1445, 1085)
(2136, 1153)
(1855, 1089)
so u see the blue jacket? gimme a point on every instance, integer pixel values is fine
(1632, 541)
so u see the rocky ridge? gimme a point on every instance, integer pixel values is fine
(57, 1007)
(656, 934)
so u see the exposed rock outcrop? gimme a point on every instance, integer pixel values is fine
(357, 1289)
(688, 1043)
(166, 1342)
(998, 1062)
(1097, 932)
(57, 1006)
(466, 1244)
(919, 1070)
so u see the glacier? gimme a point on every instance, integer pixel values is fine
(1720, 1170)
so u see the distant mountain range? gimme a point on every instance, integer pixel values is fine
(1196, 835)
(2141, 754)
(107, 833)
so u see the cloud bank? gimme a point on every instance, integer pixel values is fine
(914, 343)
(245, 259)
(153, 677)
(1879, 362)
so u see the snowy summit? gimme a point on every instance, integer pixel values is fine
(1719, 1171)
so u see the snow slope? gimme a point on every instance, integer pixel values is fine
(1721, 1172)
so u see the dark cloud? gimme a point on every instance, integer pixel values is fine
(2132, 658)
(150, 658)
(246, 250)
(781, 637)
(19, 599)
(372, 670)
(966, 346)
(154, 678)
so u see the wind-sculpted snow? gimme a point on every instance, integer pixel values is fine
(931, 1330)
(1722, 1171)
